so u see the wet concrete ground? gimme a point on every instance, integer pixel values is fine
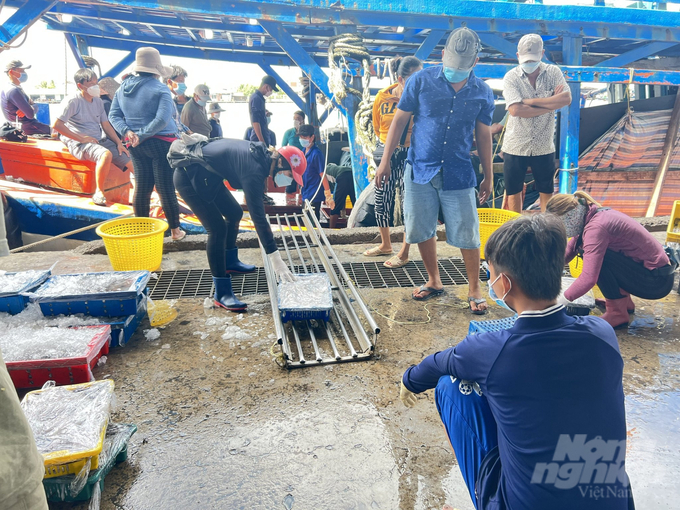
(221, 426)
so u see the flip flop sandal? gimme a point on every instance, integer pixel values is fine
(432, 293)
(395, 262)
(182, 235)
(477, 301)
(376, 252)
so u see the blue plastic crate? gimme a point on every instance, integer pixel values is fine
(322, 313)
(105, 304)
(14, 303)
(492, 325)
(122, 328)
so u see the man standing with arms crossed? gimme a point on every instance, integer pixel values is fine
(533, 91)
(448, 104)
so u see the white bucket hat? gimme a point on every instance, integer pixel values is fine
(148, 60)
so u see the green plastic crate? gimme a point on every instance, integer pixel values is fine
(114, 452)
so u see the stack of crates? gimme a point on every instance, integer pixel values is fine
(122, 311)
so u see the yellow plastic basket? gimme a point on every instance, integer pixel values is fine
(489, 221)
(673, 235)
(134, 244)
(60, 463)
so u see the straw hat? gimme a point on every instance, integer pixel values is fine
(109, 86)
(148, 60)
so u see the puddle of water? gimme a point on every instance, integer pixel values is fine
(644, 325)
(653, 453)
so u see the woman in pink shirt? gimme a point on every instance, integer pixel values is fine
(619, 255)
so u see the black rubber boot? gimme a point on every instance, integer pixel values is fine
(234, 265)
(224, 295)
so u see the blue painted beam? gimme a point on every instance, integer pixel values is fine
(23, 18)
(499, 43)
(570, 119)
(121, 66)
(646, 50)
(299, 56)
(429, 44)
(592, 74)
(73, 45)
(482, 16)
(284, 86)
(197, 53)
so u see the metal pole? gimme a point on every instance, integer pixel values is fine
(4, 245)
(664, 163)
(570, 120)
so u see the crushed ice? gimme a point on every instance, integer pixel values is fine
(308, 292)
(86, 284)
(16, 282)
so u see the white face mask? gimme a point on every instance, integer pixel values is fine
(94, 91)
(297, 124)
(269, 93)
(216, 115)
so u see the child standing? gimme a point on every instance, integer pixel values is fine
(312, 176)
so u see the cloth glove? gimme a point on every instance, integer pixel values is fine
(329, 199)
(281, 270)
(407, 397)
(561, 300)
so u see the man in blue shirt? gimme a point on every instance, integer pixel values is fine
(448, 103)
(258, 112)
(16, 105)
(535, 413)
(311, 179)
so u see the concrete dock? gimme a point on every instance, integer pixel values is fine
(221, 426)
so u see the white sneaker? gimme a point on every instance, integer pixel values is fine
(99, 199)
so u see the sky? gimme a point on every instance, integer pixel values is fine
(45, 50)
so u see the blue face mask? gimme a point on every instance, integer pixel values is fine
(456, 75)
(282, 180)
(23, 77)
(530, 67)
(269, 120)
(201, 102)
(181, 88)
(304, 142)
(500, 301)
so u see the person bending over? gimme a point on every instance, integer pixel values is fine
(245, 165)
(619, 255)
(535, 413)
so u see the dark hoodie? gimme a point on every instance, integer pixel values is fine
(143, 105)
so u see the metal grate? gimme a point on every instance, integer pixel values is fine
(197, 283)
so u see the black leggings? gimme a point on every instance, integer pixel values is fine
(152, 169)
(344, 187)
(621, 272)
(220, 217)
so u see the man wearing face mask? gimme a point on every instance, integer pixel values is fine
(521, 405)
(258, 111)
(194, 114)
(16, 105)
(177, 86)
(80, 126)
(533, 91)
(448, 104)
(214, 110)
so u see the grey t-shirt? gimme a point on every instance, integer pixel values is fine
(84, 117)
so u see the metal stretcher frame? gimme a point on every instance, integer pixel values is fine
(351, 333)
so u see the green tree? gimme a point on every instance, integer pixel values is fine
(42, 85)
(246, 89)
(51, 85)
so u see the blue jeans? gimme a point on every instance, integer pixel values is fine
(422, 203)
(473, 435)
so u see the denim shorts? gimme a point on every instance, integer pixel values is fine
(422, 203)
